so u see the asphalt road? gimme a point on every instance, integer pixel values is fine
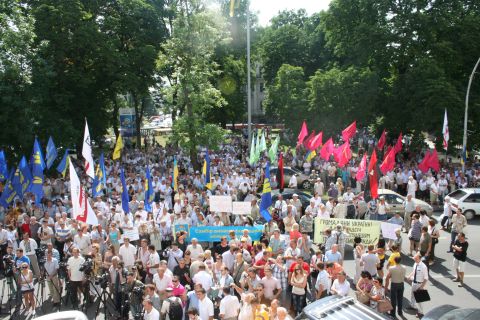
(441, 287)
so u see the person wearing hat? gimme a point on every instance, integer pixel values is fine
(382, 209)
(340, 238)
(293, 181)
(172, 306)
(412, 186)
(297, 204)
(319, 187)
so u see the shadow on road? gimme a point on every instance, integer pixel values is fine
(473, 262)
(440, 286)
(474, 292)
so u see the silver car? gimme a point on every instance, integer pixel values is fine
(303, 181)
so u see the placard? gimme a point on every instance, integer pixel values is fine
(213, 233)
(388, 230)
(367, 230)
(220, 203)
(241, 207)
(131, 234)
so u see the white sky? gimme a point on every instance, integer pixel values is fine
(266, 9)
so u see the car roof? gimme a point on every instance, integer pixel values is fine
(470, 190)
(64, 315)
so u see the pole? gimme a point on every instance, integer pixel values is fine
(466, 111)
(249, 95)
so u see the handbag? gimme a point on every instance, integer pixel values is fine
(363, 297)
(421, 295)
(384, 305)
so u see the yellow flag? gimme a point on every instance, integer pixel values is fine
(117, 152)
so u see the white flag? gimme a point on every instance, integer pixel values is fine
(446, 136)
(87, 153)
(82, 210)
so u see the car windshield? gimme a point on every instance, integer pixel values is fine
(296, 170)
(457, 194)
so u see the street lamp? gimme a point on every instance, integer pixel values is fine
(466, 112)
(249, 95)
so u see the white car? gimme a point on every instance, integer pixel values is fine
(64, 315)
(467, 199)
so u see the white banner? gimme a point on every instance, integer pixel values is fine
(132, 235)
(220, 203)
(388, 230)
(241, 207)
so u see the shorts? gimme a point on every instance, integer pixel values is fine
(460, 265)
(27, 291)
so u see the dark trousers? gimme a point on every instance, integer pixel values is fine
(76, 286)
(396, 297)
(299, 302)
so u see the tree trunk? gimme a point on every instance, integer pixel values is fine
(138, 121)
(115, 116)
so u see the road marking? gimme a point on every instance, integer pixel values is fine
(439, 276)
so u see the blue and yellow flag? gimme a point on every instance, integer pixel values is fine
(100, 180)
(51, 153)
(206, 171)
(125, 197)
(175, 175)
(149, 192)
(266, 200)
(9, 193)
(3, 166)
(37, 173)
(37, 154)
(63, 165)
(22, 179)
(310, 155)
(463, 159)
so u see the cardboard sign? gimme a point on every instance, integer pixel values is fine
(388, 230)
(220, 203)
(241, 207)
(367, 230)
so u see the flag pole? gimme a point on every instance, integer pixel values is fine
(249, 95)
(465, 121)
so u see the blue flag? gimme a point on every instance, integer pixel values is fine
(3, 166)
(206, 171)
(125, 198)
(100, 181)
(37, 149)
(63, 165)
(149, 193)
(9, 193)
(37, 173)
(22, 179)
(266, 195)
(51, 153)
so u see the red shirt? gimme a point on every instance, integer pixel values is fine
(306, 267)
(261, 262)
(26, 229)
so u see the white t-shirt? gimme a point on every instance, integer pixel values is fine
(128, 254)
(229, 307)
(341, 288)
(204, 278)
(153, 315)
(73, 265)
(194, 252)
(205, 308)
(163, 283)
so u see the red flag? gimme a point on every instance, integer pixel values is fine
(315, 142)
(362, 169)
(373, 176)
(307, 140)
(344, 154)
(388, 162)
(389, 148)
(382, 140)
(433, 161)
(349, 131)
(303, 133)
(398, 145)
(424, 165)
(327, 149)
(280, 178)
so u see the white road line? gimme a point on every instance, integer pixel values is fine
(439, 276)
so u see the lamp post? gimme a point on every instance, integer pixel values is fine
(249, 94)
(466, 112)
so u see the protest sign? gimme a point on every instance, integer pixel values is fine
(180, 227)
(131, 234)
(213, 233)
(388, 230)
(220, 203)
(241, 207)
(367, 230)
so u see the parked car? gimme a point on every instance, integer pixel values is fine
(64, 315)
(467, 199)
(287, 194)
(395, 201)
(337, 307)
(449, 312)
(303, 181)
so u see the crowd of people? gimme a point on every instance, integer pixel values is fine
(168, 275)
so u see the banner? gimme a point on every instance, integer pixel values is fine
(132, 235)
(388, 230)
(180, 227)
(127, 122)
(367, 230)
(220, 203)
(213, 233)
(241, 207)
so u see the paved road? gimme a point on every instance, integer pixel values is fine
(441, 287)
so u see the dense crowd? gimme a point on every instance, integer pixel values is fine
(168, 275)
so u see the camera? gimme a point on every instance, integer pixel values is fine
(102, 280)
(87, 266)
(8, 265)
(41, 253)
(138, 290)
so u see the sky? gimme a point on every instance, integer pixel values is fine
(266, 9)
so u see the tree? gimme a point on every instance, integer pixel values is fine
(196, 33)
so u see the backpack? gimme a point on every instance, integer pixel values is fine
(175, 311)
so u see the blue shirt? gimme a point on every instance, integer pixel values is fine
(333, 257)
(19, 261)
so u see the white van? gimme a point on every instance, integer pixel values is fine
(467, 199)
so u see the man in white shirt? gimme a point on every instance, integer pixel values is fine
(195, 249)
(127, 253)
(419, 278)
(229, 306)
(205, 305)
(162, 280)
(319, 187)
(323, 283)
(411, 186)
(74, 274)
(150, 312)
(340, 286)
(293, 182)
(82, 241)
(29, 246)
(203, 277)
